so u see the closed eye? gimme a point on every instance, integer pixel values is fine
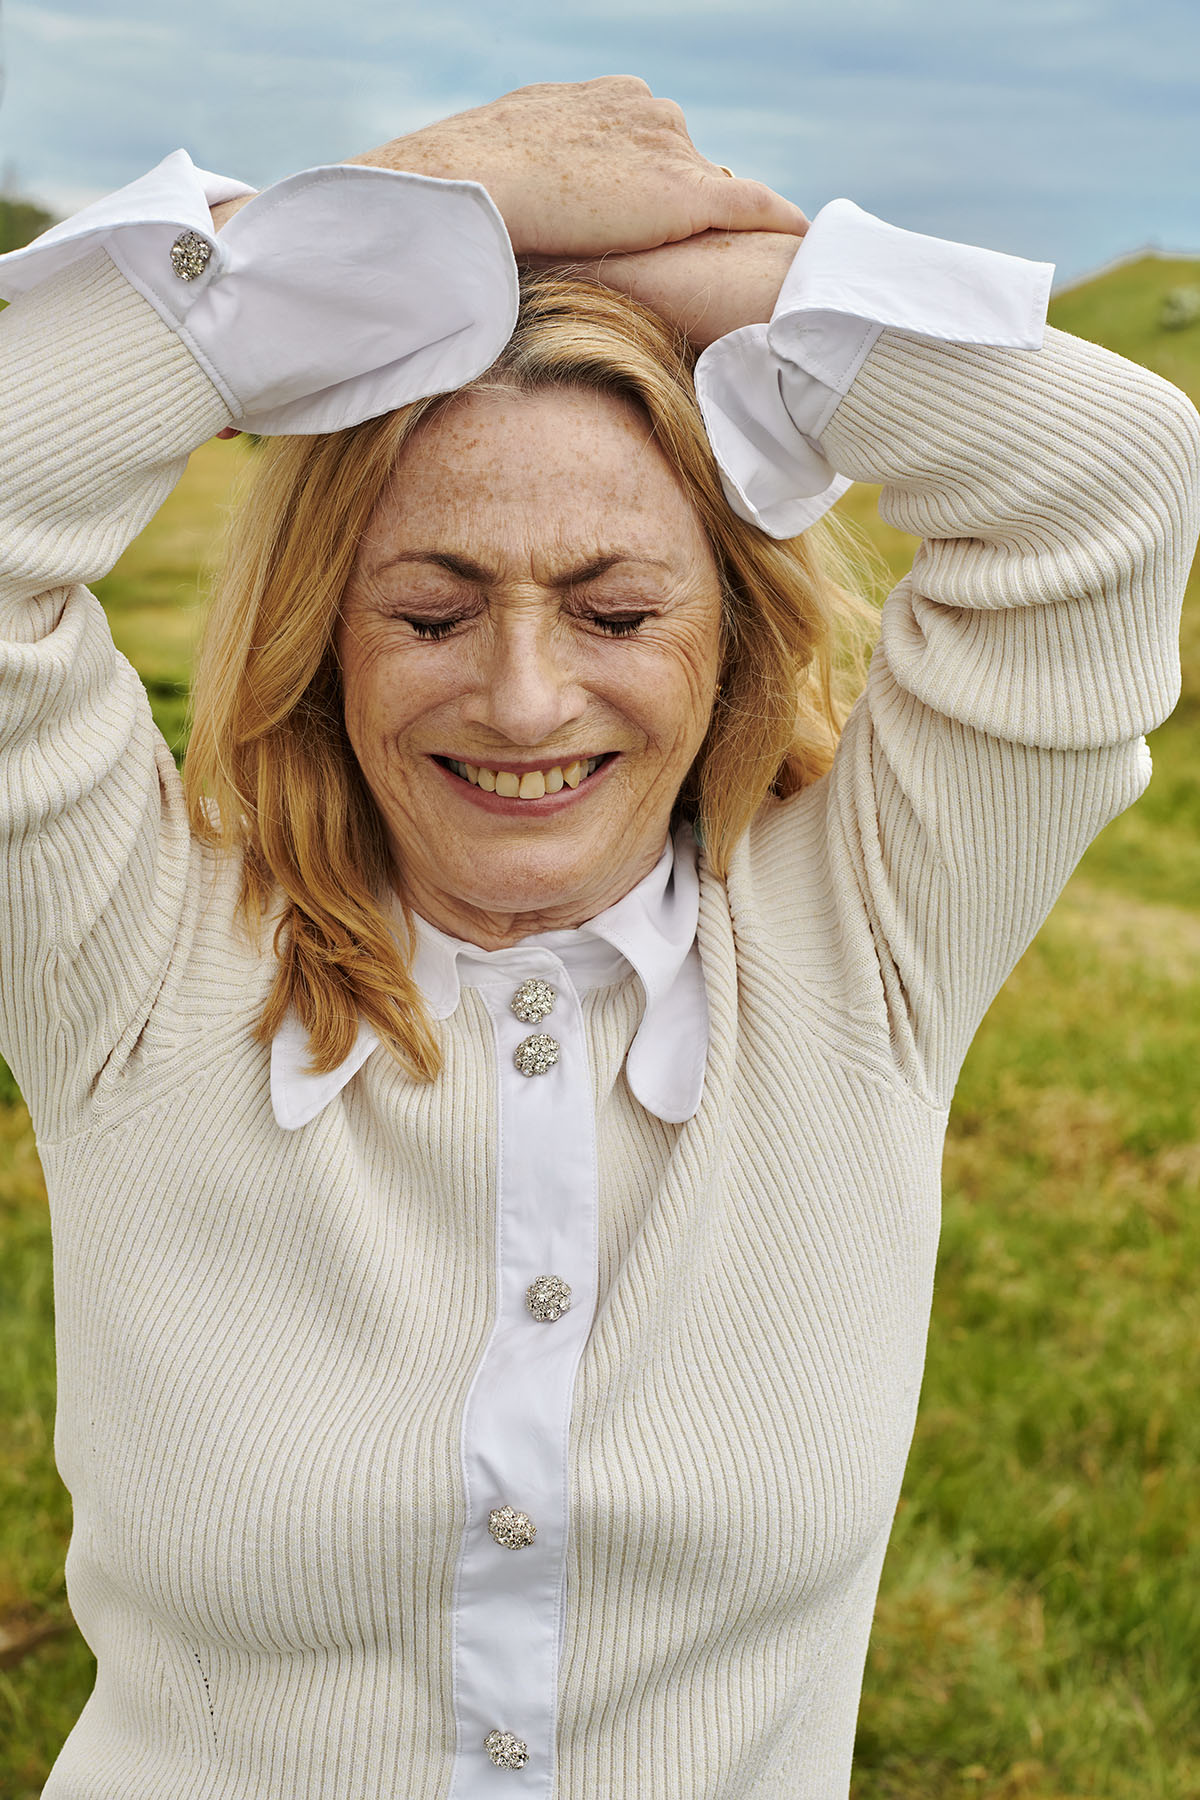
(432, 630)
(620, 625)
(617, 625)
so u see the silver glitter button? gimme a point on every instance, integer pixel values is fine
(190, 255)
(536, 1055)
(548, 1298)
(511, 1529)
(505, 1750)
(532, 1001)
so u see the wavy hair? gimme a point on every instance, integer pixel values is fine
(270, 772)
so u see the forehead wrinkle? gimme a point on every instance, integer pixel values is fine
(547, 482)
(556, 548)
(583, 568)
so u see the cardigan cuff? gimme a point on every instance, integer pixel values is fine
(768, 392)
(334, 296)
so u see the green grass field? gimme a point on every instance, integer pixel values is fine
(1038, 1632)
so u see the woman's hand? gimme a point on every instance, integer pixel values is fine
(583, 169)
(707, 285)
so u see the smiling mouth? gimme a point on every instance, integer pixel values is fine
(528, 784)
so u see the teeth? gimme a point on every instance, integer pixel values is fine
(532, 785)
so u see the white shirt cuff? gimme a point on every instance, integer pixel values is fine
(768, 392)
(332, 297)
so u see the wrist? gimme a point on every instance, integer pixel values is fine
(224, 210)
(709, 285)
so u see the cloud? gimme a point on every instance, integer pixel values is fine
(1061, 128)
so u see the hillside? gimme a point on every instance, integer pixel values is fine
(1122, 309)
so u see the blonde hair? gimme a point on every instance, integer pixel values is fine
(269, 769)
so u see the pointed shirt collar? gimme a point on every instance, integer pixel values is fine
(652, 930)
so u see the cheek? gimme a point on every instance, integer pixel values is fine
(683, 687)
(377, 696)
(361, 707)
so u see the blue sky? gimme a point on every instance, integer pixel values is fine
(1062, 129)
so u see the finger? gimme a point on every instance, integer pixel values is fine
(737, 205)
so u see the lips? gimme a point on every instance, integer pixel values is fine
(524, 784)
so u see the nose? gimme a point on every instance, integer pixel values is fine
(527, 688)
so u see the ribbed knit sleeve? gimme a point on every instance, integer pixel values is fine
(1019, 664)
(102, 404)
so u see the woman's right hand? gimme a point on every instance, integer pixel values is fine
(708, 285)
(583, 169)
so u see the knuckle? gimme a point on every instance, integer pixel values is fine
(630, 84)
(669, 112)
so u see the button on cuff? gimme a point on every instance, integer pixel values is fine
(190, 255)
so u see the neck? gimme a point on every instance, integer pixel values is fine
(494, 928)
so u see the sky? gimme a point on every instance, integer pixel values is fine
(1066, 130)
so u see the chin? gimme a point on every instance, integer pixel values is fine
(531, 885)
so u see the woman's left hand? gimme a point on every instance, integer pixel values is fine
(705, 286)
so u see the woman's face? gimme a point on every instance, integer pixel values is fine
(529, 647)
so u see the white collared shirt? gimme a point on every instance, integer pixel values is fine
(413, 291)
(515, 1441)
(651, 931)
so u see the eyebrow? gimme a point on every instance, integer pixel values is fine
(469, 570)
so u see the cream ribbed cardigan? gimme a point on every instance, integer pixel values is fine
(265, 1339)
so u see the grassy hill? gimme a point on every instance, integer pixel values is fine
(20, 220)
(1040, 1611)
(1123, 309)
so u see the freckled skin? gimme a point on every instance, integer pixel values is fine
(525, 495)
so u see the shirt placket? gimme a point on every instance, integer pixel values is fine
(511, 1581)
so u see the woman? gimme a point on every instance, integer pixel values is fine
(494, 1242)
